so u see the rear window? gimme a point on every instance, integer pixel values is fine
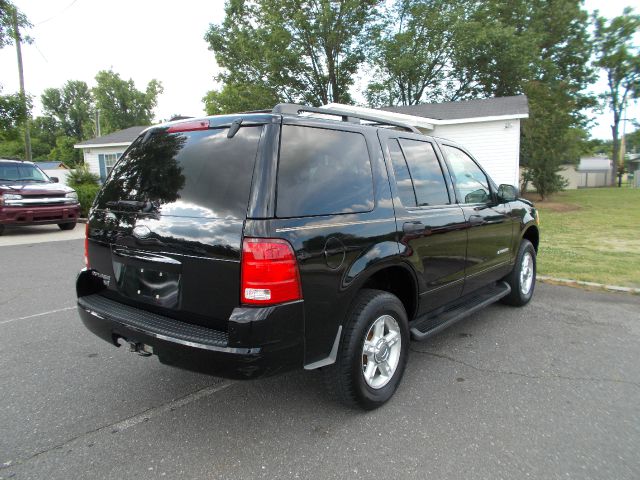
(323, 172)
(190, 174)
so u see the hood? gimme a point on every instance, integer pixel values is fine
(35, 188)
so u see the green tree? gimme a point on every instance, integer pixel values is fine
(619, 57)
(6, 23)
(554, 133)
(412, 53)
(14, 110)
(72, 107)
(121, 104)
(239, 98)
(294, 50)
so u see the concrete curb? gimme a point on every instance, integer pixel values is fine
(570, 282)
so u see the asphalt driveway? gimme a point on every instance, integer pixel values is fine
(551, 390)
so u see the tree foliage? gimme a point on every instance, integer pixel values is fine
(72, 107)
(293, 50)
(7, 32)
(239, 97)
(619, 57)
(121, 104)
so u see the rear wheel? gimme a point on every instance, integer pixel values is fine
(373, 352)
(67, 226)
(1, 229)
(522, 278)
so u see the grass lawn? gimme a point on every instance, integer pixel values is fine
(591, 234)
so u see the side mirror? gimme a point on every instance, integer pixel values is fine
(55, 179)
(507, 193)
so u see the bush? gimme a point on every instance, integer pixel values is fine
(86, 194)
(81, 176)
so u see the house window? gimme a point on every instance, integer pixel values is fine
(110, 160)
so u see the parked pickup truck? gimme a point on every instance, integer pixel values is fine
(29, 197)
(252, 244)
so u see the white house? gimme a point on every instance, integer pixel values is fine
(489, 128)
(102, 153)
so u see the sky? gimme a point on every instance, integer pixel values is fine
(145, 39)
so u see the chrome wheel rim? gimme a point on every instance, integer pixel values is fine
(381, 351)
(526, 273)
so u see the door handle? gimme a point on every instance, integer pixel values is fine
(476, 220)
(413, 227)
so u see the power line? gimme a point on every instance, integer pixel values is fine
(57, 14)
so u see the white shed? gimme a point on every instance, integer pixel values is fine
(489, 128)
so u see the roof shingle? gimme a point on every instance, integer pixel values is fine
(485, 107)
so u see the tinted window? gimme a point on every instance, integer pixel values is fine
(192, 174)
(323, 172)
(470, 181)
(403, 177)
(426, 173)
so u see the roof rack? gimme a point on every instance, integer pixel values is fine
(294, 109)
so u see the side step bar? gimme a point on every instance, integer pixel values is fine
(426, 326)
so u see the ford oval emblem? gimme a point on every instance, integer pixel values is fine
(141, 231)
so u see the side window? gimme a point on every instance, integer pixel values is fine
(323, 172)
(403, 177)
(426, 173)
(472, 184)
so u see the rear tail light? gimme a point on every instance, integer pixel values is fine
(86, 245)
(269, 272)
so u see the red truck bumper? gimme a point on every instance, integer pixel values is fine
(39, 215)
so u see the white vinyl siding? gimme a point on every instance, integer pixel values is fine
(92, 157)
(495, 145)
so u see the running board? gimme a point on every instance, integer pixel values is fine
(424, 327)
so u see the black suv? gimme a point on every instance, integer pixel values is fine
(252, 244)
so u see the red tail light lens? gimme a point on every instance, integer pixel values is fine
(189, 126)
(269, 272)
(86, 245)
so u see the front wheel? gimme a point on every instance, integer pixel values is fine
(522, 278)
(373, 352)
(67, 226)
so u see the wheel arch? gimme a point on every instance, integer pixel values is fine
(532, 234)
(399, 280)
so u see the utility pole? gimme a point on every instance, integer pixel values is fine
(27, 134)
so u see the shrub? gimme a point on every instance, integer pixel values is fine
(81, 176)
(86, 194)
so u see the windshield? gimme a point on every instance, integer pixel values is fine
(21, 172)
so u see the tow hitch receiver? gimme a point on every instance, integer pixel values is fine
(141, 349)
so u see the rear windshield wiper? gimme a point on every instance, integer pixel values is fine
(133, 205)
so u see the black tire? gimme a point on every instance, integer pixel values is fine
(67, 226)
(345, 379)
(517, 297)
(1, 229)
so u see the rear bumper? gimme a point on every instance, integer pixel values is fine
(259, 341)
(39, 215)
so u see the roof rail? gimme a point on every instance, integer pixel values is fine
(294, 109)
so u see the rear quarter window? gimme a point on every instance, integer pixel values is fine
(323, 172)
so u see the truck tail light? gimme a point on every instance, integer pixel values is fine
(86, 245)
(269, 272)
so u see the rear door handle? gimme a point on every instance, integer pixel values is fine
(413, 227)
(476, 219)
